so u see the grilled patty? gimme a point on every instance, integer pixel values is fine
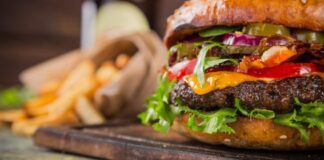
(277, 95)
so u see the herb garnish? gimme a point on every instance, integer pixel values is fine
(14, 97)
(219, 30)
(204, 62)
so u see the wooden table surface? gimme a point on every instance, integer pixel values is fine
(13, 147)
(133, 141)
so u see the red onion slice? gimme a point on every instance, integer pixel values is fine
(249, 40)
(240, 39)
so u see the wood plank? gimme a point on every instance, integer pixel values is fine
(134, 141)
(19, 52)
(14, 147)
(41, 17)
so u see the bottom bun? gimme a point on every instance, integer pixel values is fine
(254, 134)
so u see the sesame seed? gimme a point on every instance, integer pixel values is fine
(283, 137)
(227, 140)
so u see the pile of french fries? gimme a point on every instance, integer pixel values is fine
(65, 102)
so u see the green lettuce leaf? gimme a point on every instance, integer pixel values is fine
(312, 114)
(14, 97)
(315, 122)
(294, 121)
(157, 107)
(255, 113)
(210, 122)
(161, 115)
(219, 30)
(314, 108)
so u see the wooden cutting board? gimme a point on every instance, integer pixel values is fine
(128, 140)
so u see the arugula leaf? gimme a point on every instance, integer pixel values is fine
(219, 30)
(255, 113)
(294, 121)
(200, 66)
(14, 97)
(157, 107)
(214, 61)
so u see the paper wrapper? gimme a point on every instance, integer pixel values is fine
(51, 70)
(125, 95)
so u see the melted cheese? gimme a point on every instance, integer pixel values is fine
(223, 79)
(219, 80)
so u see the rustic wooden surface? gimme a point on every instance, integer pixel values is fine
(13, 147)
(135, 141)
(19, 52)
(33, 31)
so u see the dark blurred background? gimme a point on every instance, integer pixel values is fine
(34, 30)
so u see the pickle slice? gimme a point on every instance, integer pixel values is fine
(266, 29)
(309, 36)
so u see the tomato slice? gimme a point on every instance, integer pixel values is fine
(186, 67)
(284, 70)
(181, 69)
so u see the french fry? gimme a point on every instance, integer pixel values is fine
(12, 115)
(84, 69)
(122, 60)
(67, 100)
(50, 88)
(29, 126)
(37, 106)
(59, 112)
(87, 112)
(106, 73)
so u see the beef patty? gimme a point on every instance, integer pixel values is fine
(277, 95)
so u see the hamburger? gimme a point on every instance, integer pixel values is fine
(246, 74)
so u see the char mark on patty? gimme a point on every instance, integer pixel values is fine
(277, 95)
